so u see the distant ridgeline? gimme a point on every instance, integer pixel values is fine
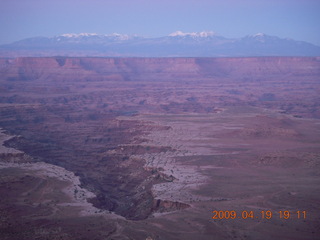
(178, 44)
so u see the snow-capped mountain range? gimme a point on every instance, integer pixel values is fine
(177, 44)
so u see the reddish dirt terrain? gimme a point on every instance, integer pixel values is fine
(148, 148)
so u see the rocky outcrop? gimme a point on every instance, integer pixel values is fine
(168, 206)
(14, 158)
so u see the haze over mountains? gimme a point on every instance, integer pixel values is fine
(177, 44)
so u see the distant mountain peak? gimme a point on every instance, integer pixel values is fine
(75, 35)
(192, 34)
(116, 36)
(259, 35)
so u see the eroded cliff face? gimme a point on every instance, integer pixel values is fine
(130, 68)
(170, 84)
(69, 112)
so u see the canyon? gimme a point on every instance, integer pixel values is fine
(147, 148)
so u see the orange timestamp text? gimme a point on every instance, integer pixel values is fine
(259, 215)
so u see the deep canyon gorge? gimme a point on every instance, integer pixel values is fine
(147, 148)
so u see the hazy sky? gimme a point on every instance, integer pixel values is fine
(297, 19)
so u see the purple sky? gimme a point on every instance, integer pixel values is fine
(297, 19)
